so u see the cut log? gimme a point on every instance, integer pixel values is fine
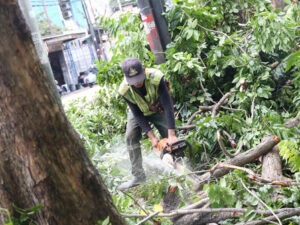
(249, 156)
(272, 166)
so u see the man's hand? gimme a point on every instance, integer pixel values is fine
(154, 140)
(172, 136)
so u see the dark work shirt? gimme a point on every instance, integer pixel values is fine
(166, 102)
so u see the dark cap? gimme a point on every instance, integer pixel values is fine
(133, 70)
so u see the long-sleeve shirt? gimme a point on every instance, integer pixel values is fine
(165, 100)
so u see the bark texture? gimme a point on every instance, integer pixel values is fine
(42, 159)
(271, 165)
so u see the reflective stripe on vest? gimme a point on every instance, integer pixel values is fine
(152, 81)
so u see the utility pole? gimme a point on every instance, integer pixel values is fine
(47, 16)
(151, 30)
(91, 28)
(158, 7)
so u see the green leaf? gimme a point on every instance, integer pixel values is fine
(292, 59)
(106, 221)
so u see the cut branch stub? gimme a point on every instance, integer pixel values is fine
(219, 138)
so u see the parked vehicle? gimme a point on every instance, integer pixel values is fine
(87, 78)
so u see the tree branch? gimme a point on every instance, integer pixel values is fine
(230, 139)
(148, 217)
(289, 211)
(264, 204)
(221, 144)
(257, 177)
(282, 214)
(136, 202)
(221, 102)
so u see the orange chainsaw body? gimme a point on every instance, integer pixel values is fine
(163, 143)
(176, 149)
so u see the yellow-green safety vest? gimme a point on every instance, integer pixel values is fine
(152, 80)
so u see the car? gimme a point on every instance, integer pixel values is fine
(87, 78)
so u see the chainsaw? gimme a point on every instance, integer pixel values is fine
(176, 150)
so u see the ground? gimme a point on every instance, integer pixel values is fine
(81, 93)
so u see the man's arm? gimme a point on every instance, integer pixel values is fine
(167, 104)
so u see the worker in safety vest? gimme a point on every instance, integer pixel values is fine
(146, 93)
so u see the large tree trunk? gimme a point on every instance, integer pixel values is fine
(42, 159)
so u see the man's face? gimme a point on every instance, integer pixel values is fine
(139, 85)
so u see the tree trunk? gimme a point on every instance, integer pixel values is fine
(42, 159)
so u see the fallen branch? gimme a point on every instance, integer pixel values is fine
(257, 177)
(264, 204)
(219, 138)
(218, 105)
(187, 127)
(148, 217)
(232, 109)
(136, 202)
(230, 139)
(294, 211)
(246, 157)
(252, 107)
(281, 215)
(212, 108)
(201, 109)
(206, 94)
(198, 204)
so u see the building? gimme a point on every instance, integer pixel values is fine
(63, 13)
(70, 54)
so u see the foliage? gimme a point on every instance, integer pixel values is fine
(289, 150)
(220, 195)
(97, 121)
(105, 222)
(129, 40)
(25, 215)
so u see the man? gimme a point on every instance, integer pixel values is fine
(145, 92)
(59, 88)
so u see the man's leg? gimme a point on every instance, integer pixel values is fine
(133, 137)
(159, 121)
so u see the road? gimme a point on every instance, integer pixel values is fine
(81, 93)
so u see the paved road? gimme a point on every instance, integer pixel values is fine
(81, 93)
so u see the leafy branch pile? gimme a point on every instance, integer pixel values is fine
(241, 52)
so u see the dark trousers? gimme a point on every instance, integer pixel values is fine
(134, 135)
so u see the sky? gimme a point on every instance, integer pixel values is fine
(54, 12)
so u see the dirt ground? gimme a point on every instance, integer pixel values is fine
(81, 93)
